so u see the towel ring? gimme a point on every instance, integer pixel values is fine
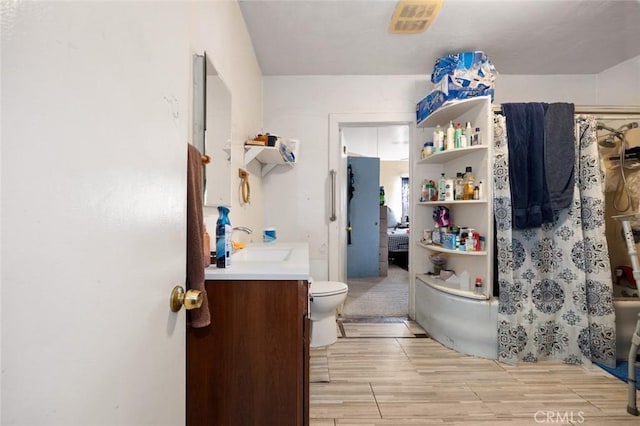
(245, 187)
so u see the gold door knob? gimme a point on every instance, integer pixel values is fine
(191, 299)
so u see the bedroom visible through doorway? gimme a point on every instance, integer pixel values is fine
(377, 206)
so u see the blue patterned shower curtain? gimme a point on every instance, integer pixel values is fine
(556, 298)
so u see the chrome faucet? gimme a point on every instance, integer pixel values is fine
(243, 229)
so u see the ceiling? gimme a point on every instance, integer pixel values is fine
(335, 37)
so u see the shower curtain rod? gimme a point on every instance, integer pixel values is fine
(593, 110)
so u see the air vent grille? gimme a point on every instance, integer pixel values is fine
(413, 16)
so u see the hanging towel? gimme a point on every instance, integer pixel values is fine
(525, 137)
(559, 153)
(195, 234)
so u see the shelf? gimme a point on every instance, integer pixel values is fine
(451, 288)
(268, 156)
(447, 203)
(452, 110)
(444, 156)
(441, 249)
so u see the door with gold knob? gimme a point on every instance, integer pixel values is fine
(93, 212)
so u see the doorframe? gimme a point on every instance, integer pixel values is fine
(338, 163)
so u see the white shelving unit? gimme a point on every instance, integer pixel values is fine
(269, 156)
(458, 318)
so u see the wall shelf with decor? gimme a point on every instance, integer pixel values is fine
(272, 156)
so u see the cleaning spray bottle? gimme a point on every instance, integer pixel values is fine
(223, 238)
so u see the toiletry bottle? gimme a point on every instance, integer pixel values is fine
(382, 195)
(450, 136)
(424, 196)
(468, 133)
(449, 187)
(223, 238)
(437, 144)
(441, 138)
(459, 187)
(469, 184)
(470, 242)
(206, 247)
(478, 286)
(442, 188)
(456, 135)
(477, 137)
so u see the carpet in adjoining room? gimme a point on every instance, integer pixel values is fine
(378, 296)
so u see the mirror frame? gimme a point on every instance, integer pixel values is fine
(212, 134)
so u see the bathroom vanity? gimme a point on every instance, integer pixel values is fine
(251, 365)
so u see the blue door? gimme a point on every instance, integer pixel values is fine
(363, 211)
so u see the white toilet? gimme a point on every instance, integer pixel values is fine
(326, 297)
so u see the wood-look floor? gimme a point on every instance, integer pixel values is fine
(395, 378)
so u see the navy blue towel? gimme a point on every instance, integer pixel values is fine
(529, 193)
(559, 153)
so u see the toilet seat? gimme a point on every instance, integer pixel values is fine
(327, 288)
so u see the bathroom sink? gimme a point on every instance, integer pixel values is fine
(261, 254)
(264, 262)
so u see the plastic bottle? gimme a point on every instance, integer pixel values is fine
(206, 247)
(459, 187)
(470, 242)
(449, 186)
(478, 286)
(429, 193)
(469, 184)
(437, 143)
(427, 150)
(450, 136)
(477, 137)
(456, 135)
(442, 188)
(468, 133)
(382, 195)
(223, 238)
(441, 138)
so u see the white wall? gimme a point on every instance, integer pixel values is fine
(299, 106)
(218, 28)
(579, 89)
(620, 85)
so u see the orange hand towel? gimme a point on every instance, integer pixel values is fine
(195, 234)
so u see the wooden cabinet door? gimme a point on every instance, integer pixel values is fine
(251, 364)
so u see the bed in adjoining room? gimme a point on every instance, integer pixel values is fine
(398, 234)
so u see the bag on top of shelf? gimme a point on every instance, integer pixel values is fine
(464, 75)
(429, 103)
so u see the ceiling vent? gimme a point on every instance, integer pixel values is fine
(413, 16)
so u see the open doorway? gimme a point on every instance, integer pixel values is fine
(377, 213)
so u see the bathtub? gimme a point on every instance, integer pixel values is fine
(470, 326)
(465, 325)
(627, 311)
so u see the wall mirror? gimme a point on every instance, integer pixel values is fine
(212, 129)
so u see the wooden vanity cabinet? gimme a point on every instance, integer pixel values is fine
(251, 365)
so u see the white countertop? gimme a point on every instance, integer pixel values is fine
(294, 267)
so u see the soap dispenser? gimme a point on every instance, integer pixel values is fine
(223, 238)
